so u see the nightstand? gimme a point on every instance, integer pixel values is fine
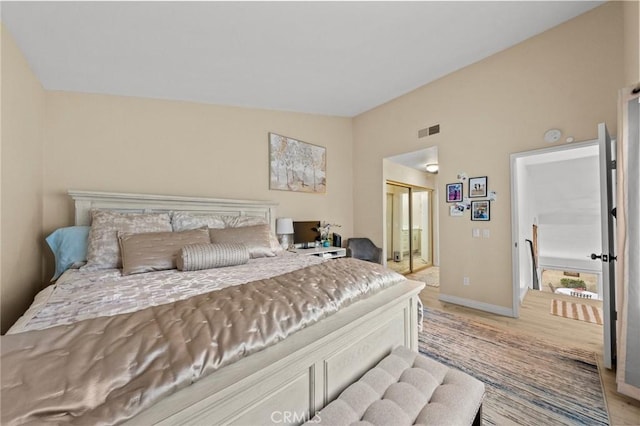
(323, 252)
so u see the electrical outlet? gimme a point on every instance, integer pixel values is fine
(475, 232)
(485, 233)
(465, 280)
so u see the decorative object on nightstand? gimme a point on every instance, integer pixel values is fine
(284, 230)
(337, 240)
(325, 232)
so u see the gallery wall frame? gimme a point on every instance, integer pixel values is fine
(478, 187)
(295, 165)
(454, 192)
(481, 210)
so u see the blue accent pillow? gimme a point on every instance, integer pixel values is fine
(69, 245)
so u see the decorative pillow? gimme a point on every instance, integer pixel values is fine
(183, 221)
(156, 251)
(103, 251)
(242, 221)
(195, 257)
(256, 238)
(69, 245)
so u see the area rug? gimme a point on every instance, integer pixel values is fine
(430, 276)
(528, 381)
(577, 311)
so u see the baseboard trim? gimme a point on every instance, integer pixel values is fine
(474, 304)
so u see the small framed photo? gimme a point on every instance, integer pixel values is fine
(454, 192)
(480, 210)
(478, 187)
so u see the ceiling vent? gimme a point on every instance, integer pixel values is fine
(429, 131)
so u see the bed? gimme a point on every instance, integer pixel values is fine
(285, 382)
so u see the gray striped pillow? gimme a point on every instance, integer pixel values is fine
(194, 257)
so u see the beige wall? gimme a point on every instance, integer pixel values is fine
(21, 188)
(567, 77)
(631, 42)
(112, 143)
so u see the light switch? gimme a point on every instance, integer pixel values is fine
(475, 232)
(485, 233)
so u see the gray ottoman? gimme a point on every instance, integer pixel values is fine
(406, 388)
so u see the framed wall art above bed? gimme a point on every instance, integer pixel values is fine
(296, 166)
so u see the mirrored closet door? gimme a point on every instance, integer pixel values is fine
(409, 227)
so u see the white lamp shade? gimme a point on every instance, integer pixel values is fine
(284, 226)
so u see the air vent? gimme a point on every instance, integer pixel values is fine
(429, 131)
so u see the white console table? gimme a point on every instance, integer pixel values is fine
(323, 252)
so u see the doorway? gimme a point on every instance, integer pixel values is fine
(576, 206)
(558, 214)
(409, 227)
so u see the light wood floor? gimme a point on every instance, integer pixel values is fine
(402, 267)
(536, 320)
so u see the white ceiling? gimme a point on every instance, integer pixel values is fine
(335, 58)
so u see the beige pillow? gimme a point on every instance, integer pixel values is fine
(256, 238)
(103, 251)
(156, 251)
(195, 257)
(242, 221)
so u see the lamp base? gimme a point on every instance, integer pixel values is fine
(286, 241)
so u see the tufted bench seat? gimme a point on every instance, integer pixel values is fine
(405, 388)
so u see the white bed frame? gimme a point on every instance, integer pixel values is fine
(290, 381)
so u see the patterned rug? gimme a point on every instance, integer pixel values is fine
(577, 311)
(430, 276)
(528, 381)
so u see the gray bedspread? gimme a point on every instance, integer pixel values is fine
(105, 370)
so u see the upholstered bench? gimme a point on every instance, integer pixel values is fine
(405, 388)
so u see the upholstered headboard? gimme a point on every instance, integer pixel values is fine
(87, 200)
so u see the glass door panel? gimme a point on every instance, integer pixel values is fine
(398, 242)
(421, 251)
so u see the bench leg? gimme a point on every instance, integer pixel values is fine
(478, 420)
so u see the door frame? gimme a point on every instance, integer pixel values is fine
(515, 214)
(608, 200)
(389, 232)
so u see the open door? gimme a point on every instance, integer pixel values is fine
(607, 257)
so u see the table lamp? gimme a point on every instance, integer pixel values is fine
(284, 231)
